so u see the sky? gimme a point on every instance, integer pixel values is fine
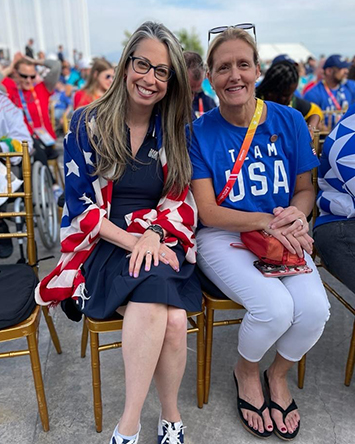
(323, 26)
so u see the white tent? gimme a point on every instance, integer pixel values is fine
(49, 23)
(296, 51)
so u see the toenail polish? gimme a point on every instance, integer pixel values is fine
(269, 427)
(283, 429)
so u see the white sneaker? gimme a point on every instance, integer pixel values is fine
(116, 439)
(170, 432)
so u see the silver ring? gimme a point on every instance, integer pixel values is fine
(163, 254)
(148, 252)
(302, 223)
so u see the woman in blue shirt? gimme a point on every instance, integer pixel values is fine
(273, 192)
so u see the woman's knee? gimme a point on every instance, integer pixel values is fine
(314, 312)
(274, 305)
(281, 316)
(176, 327)
(149, 313)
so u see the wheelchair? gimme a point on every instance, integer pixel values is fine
(45, 209)
(44, 205)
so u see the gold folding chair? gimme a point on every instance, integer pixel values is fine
(29, 327)
(95, 327)
(216, 300)
(332, 117)
(320, 264)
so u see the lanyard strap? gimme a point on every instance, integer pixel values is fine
(38, 106)
(243, 152)
(200, 106)
(25, 107)
(331, 95)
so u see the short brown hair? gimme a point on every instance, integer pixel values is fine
(22, 62)
(194, 64)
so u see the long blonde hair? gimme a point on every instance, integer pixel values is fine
(109, 140)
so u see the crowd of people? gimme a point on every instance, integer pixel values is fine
(161, 174)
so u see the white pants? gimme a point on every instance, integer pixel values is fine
(290, 312)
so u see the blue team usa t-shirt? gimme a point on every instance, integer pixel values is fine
(281, 150)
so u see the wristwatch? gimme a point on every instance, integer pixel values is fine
(157, 229)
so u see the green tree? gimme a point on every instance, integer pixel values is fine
(190, 41)
(127, 36)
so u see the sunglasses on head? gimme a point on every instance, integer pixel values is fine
(25, 76)
(220, 29)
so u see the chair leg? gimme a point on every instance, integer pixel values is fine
(208, 351)
(96, 379)
(52, 329)
(301, 371)
(38, 380)
(351, 360)
(84, 338)
(200, 360)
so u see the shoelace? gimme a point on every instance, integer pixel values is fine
(171, 435)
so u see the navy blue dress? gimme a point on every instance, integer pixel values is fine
(107, 281)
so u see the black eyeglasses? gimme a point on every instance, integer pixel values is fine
(219, 29)
(143, 66)
(25, 76)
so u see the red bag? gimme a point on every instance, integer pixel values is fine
(269, 249)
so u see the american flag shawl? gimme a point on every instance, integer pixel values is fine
(88, 200)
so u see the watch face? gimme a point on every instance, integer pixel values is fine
(157, 229)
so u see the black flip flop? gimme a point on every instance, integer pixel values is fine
(242, 404)
(273, 405)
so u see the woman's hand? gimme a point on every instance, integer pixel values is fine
(277, 233)
(305, 240)
(168, 257)
(294, 244)
(291, 220)
(146, 248)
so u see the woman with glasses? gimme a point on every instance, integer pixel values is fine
(272, 192)
(128, 223)
(99, 81)
(33, 97)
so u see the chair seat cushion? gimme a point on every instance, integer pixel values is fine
(17, 284)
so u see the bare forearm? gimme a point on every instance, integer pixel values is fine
(117, 236)
(304, 201)
(233, 220)
(6, 71)
(313, 121)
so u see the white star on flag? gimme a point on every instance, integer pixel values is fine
(65, 210)
(72, 168)
(92, 126)
(66, 136)
(86, 199)
(88, 160)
